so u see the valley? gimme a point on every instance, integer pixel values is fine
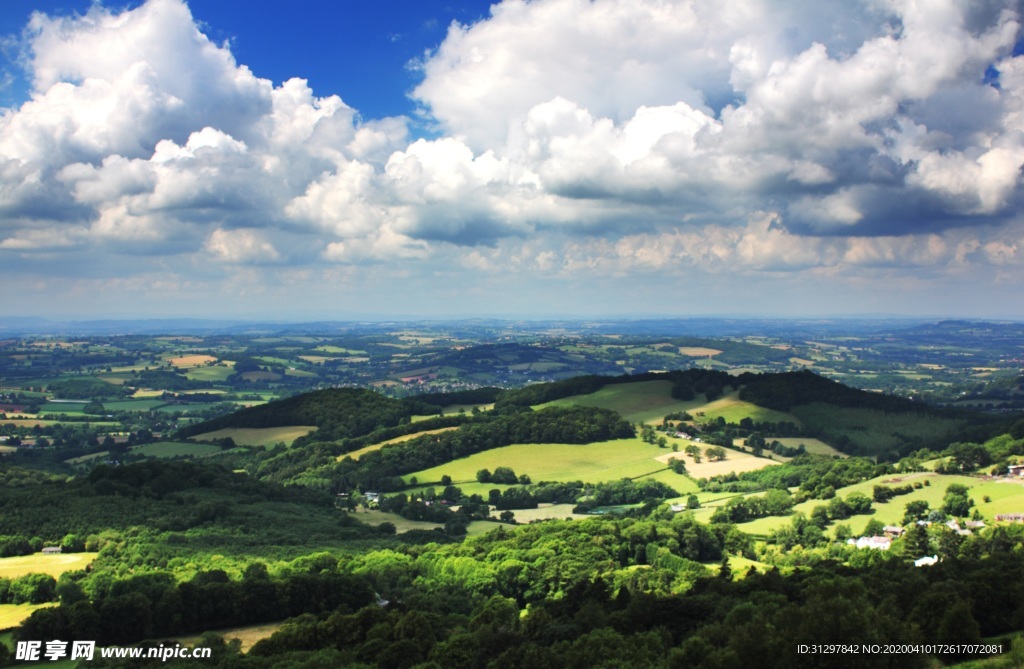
(540, 479)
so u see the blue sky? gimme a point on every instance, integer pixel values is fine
(320, 159)
(364, 49)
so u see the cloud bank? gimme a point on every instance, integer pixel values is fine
(570, 139)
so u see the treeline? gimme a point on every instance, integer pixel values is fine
(85, 389)
(685, 383)
(382, 469)
(785, 390)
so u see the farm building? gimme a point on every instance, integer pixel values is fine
(51, 550)
(1010, 517)
(1016, 470)
(877, 543)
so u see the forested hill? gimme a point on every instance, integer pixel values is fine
(785, 390)
(338, 413)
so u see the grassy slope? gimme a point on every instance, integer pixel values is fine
(591, 463)
(12, 615)
(733, 410)
(258, 436)
(642, 401)
(37, 563)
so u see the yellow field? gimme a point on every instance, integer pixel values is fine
(734, 462)
(355, 455)
(12, 615)
(8, 449)
(144, 393)
(54, 565)
(192, 360)
(545, 512)
(698, 351)
(248, 636)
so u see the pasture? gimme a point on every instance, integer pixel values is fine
(375, 517)
(134, 405)
(37, 563)
(733, 410)
(638, 402)
(590, 463)
(12, 615)
(258, 436)
(213, 373)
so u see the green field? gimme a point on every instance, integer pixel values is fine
(258, 436)
(12, 615)
(69, 408)
(590, 463)
(171, 449)
(375, 517)
(179, 408)
(733, 410)
(639, 402)
(214, 373)
(134, 405)
(37, 563)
